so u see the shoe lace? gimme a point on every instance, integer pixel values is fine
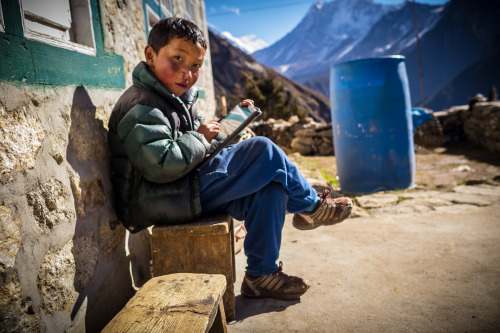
(279, 272)
(285, 277)
(325, 195)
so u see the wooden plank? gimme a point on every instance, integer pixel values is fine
(209, 225)
(191, 229)
(204, 254)
(220, 324)
(192, 251)
(172, 303)
(12, 18)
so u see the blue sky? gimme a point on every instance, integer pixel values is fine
(269, 20)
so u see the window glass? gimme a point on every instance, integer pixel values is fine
(154, 10)
(166, 7)
(51, 18)
(81, 31)
(64, 23)
(190, 11)
(152, 18)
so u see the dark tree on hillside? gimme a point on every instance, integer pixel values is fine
(268, 94)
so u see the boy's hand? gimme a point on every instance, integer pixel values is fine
(246, 102)
(209, 130)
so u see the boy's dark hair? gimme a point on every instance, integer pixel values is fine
(172, 27)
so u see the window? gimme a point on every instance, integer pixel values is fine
(190, 13)
(63, 23)
(167, 7)
(59, 42)
(154, 10)
(152, 18)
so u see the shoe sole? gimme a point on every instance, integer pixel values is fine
(277, 296)
(310, 226)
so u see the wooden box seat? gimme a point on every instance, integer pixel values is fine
(205, 245)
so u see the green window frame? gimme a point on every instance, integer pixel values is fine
(159, 8)
(33, 62)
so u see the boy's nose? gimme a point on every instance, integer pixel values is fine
(187, 73)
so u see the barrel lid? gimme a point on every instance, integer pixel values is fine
(396, 57)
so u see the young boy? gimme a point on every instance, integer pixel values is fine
(157, 138)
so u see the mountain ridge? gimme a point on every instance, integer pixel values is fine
(452, 38)
(229, 61)
(312, 40)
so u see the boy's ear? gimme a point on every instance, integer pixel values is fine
(150, 55)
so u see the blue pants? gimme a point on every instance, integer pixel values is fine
(255, 181)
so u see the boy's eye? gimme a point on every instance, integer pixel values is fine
(177, 58)
(197, 66)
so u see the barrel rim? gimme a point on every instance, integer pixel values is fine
(372, 59)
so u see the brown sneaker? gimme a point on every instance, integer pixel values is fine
(275, 285)
(329, 211)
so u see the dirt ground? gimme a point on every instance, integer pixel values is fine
(425, 259)
(440, 168)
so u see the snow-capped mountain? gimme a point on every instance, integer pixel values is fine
(325, 34)
(395, 31)
(248, 44)
(452, 37)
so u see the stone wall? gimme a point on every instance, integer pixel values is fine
(61, 241)
(452, 121)
(482, 126)
(66, 263)
(478, 123)
(305, 137)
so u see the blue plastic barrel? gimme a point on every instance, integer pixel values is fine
(372, 124)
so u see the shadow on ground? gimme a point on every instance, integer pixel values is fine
(246, 308)
(473, 152)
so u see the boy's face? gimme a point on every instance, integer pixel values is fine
(177, 64)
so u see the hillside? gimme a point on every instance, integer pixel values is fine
(477, 78)
(227, 63)
(465, 34)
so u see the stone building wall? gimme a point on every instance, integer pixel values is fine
(66, 263)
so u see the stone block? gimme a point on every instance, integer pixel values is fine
(55, 280)
(16, 311)
(86, 256)
(377, 200)
(21, 136)
(48, 204)
(10, 239)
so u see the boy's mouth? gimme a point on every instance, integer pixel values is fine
(183, 85)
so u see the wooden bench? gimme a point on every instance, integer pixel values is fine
(205, 245)
(179, 302)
